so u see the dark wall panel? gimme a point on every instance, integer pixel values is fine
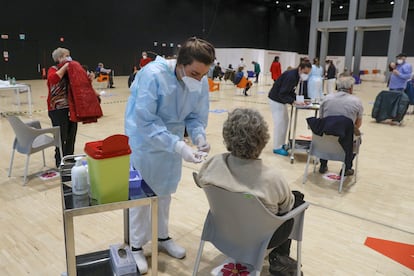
(116, 32)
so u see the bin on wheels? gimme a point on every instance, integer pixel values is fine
(108, 168)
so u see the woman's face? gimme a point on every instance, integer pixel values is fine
(63, 57)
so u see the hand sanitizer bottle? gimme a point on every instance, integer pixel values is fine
(79, 178)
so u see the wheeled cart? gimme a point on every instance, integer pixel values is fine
(294, 144)
(98, 263)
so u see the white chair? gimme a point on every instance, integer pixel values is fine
(31, 138)
(240, 226)
(328, 147)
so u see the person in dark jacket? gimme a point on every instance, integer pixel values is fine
(345, 104)
(330, 75)
(282, 93)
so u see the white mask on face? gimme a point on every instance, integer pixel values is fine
(68, 58)
(304, 76)
(192, 84)
(400, 61)
(144, 57)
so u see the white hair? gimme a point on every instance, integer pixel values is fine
(345, 82)
(58, 53)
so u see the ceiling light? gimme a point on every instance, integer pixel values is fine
(288, 6)
(277, 2)
(341, 7)
(299, 10)
(392, 2)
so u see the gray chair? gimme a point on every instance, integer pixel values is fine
(240, 226)
(31, 138)
(327, 147)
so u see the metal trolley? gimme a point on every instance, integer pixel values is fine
(98, 263)
(294, 144)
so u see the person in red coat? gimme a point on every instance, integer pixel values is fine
(58, 102)
(144, 60)
(276, 69)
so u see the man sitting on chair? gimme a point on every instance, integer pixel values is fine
(345, 104)
(245, 134)
(102, 70)
(238, 77)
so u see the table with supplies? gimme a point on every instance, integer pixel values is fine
(99, 263)
(18, 89)
(296, 144)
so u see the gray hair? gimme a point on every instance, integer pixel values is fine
(345, 83)
(245, 133)
(58, 53)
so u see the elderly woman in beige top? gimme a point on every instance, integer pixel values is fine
(245, 135)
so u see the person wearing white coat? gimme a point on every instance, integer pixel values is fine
(167, 96)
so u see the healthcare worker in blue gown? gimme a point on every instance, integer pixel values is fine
(167, 96)
(315, 81)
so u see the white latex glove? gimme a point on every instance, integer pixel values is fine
(202, 144)
(187, 153)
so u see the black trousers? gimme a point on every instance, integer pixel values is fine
(68, 129)
(280, 240)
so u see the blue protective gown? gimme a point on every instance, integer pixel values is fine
(315, 82)
(158, 110)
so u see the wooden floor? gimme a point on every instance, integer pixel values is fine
(379, 205)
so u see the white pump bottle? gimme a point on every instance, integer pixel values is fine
(79, 178)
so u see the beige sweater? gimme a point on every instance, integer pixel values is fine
(249, 176)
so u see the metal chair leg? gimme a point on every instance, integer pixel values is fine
(11, 163)
(342, 178)
(44, 161)
(26, 168)
(198, 258)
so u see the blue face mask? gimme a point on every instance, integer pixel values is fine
(192, 84)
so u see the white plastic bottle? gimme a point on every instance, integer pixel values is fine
(79, 178)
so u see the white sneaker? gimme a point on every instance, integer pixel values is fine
(172, 248)
(141, 261)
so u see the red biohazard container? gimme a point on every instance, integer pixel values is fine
(108, 169)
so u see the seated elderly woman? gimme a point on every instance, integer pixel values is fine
(245, 134)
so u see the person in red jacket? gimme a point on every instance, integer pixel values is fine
(144, 60)
(276, 69)
(58, 102)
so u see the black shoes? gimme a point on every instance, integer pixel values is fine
(347, 172)
(282, 265)
(323, 169)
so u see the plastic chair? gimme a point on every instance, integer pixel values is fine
(327, 147)
(243, 84)
(213, 86)
(31, 138)
(240, 226)
(103, 80)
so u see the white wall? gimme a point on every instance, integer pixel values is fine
(265, 58)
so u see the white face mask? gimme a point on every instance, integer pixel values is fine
(192, 84)
(400, 61)
(68, 58)
(304, 76)
(144, 57)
